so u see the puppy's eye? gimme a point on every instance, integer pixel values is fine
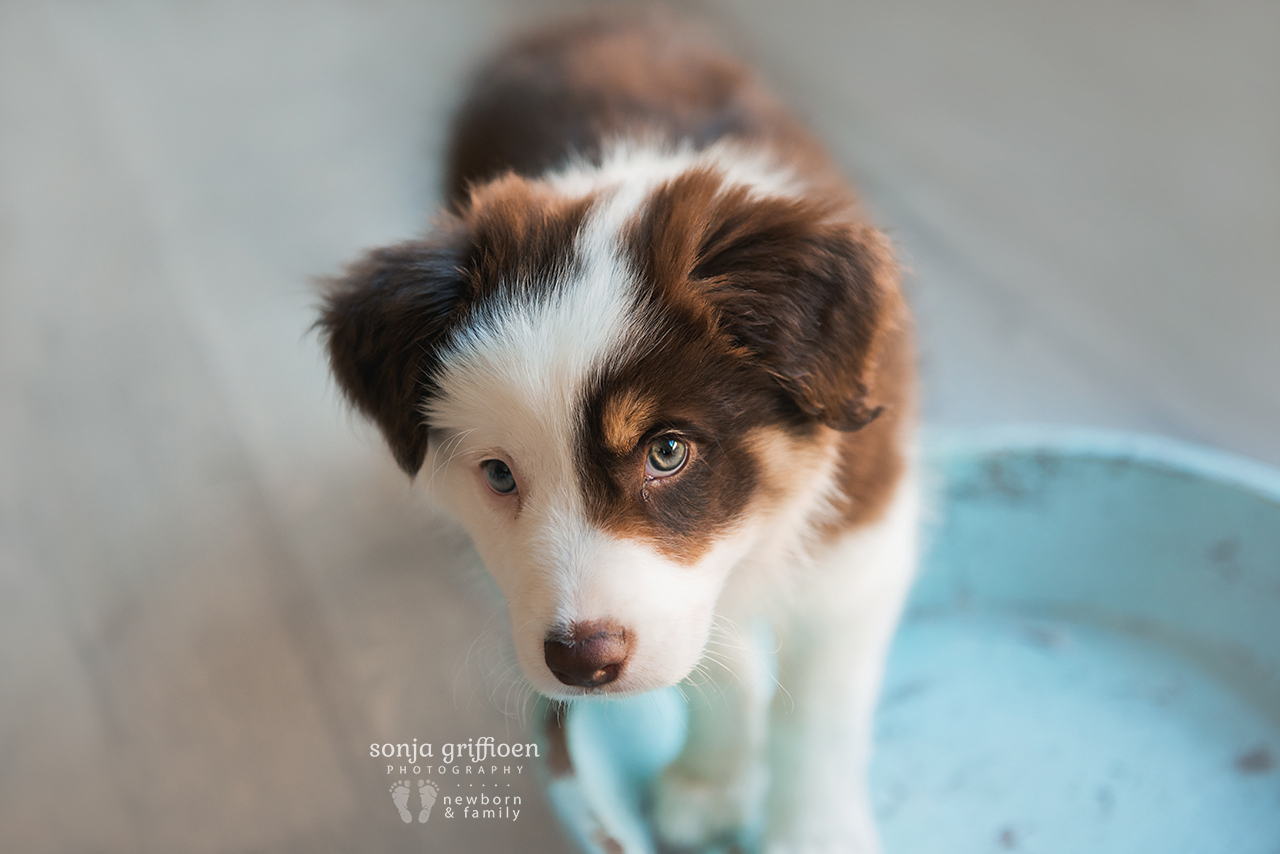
(667, 456)
(499, 475)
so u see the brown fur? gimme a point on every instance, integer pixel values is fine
(559, 763)
(386, 320)
(873, 460)
(769, 316)
(705, 393)
(770, 313)
(560, 93)
(799, 294)
(626, 416)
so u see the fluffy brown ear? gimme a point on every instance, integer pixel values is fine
(808, 297)
(383, 323)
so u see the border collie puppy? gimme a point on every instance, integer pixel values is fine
(658, 364)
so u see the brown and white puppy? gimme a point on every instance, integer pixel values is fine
(659, 366)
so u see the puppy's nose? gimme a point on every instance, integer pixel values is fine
(588, 654)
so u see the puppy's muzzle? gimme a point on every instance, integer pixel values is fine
(588, 655)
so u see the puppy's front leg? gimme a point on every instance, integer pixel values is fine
(717, 783)
(830, 666)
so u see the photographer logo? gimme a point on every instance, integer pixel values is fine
(471, 780)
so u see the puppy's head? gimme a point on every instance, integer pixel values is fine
(619, 392)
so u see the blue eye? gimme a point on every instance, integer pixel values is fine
(499, 475)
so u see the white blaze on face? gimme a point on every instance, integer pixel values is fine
(512, 388)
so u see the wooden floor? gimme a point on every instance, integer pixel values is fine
(216, 590)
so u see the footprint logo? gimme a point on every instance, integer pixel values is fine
(400, 797)
(428, 791)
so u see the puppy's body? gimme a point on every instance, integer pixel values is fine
(659, 366)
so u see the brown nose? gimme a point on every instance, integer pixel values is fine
(588, 654)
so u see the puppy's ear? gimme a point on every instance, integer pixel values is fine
(808, 297)
(383, 323)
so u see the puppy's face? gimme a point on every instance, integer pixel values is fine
(619, 392)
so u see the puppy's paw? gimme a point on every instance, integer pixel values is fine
(841, 828)
(692, 813)
(820, 846)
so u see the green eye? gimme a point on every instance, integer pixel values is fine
(666, 457)
(499, 475)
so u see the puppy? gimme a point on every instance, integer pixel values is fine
(659, 366)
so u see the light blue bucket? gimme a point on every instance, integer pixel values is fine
(1090, 663)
